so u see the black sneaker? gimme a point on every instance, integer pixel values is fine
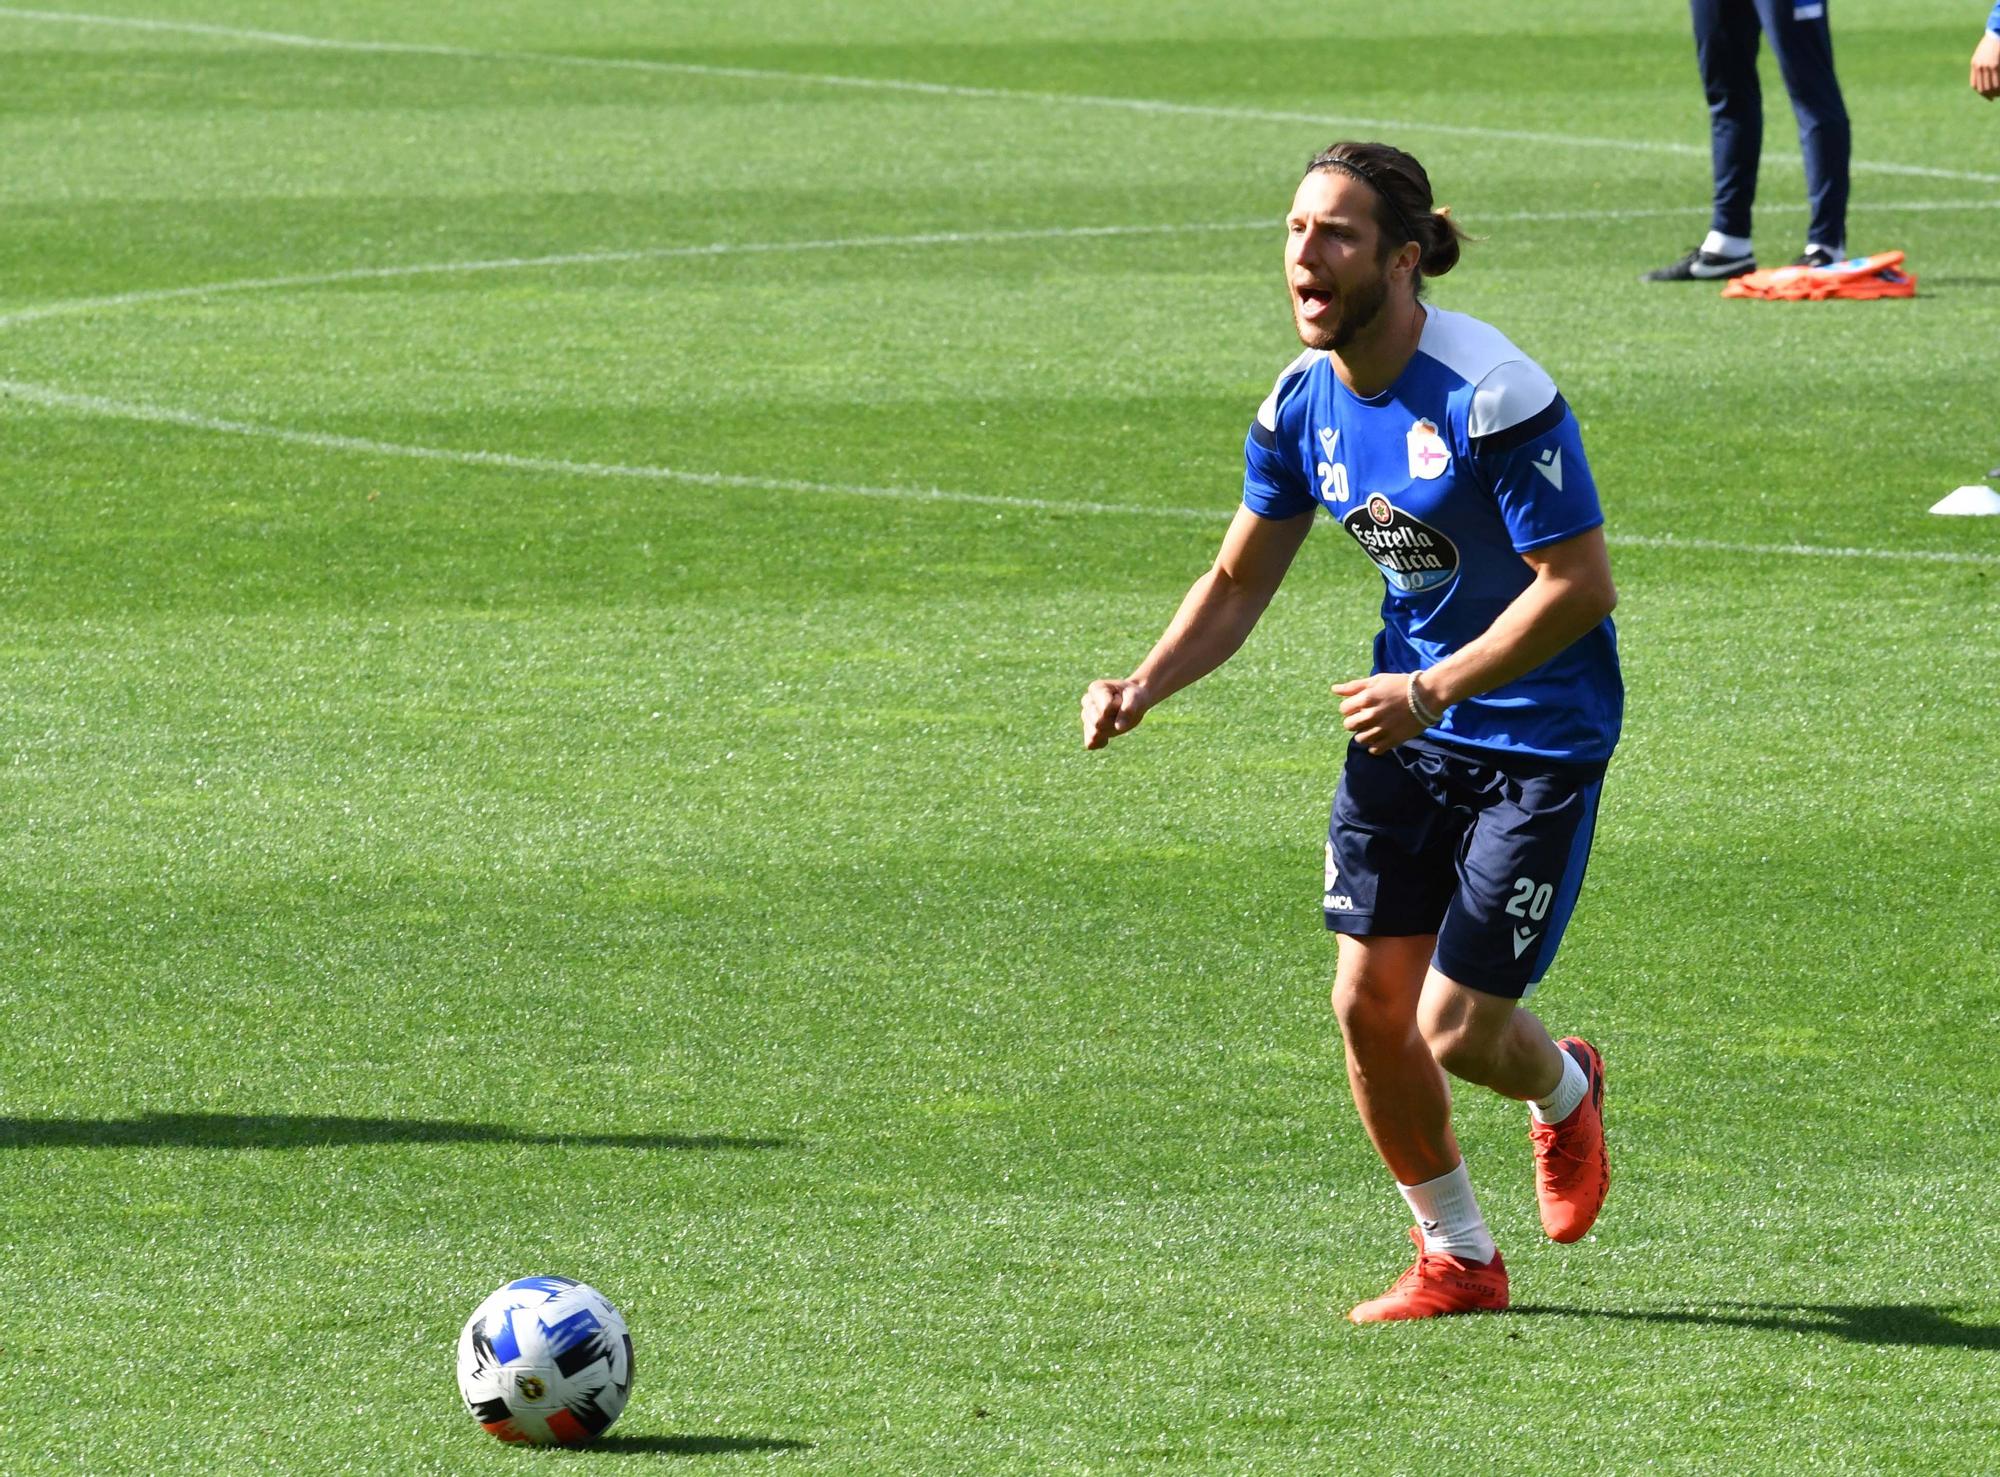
(1702, 266)
(1819, 256)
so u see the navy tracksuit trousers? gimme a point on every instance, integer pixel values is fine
(1725, 46)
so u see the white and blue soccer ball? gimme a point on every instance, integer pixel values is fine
(547, 1361)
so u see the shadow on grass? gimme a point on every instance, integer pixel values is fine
(1904, 1325)
(308, 1130)
(695, 1445)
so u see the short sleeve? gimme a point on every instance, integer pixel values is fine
(1276, 485)
(1273, 485)
(1538, 474)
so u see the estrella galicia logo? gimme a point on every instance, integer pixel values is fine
(1413, 556)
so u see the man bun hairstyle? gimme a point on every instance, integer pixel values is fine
(1404, 210)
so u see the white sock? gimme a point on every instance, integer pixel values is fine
(1448, 1216)
(1717, 244)
(1568, 1092)
(1838, 253)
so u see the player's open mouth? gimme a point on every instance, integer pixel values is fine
(1313, 301)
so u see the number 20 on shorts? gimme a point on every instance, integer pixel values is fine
(1530, 901)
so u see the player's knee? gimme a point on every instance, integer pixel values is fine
(1370, 1011)
(1462, 1049)
(1350, 1001)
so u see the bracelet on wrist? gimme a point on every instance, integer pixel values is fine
(1418, 707)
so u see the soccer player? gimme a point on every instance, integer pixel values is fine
(1986, 59)
(1725, 48)
(1464, 813)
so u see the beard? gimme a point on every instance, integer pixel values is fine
(1358, 309)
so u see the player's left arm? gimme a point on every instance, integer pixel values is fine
(1570, 594)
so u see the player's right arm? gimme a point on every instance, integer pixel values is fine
(1986, 59)
(1217, 614)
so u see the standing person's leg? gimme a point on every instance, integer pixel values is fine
(1725, 49)
(1392, 842)
(1403, 1099)
(1802, 41)
(1520, 871)
(1405, 1104)
(1391, 846)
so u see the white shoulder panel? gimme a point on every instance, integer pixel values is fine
(1508, 386)
(1509, 395)
(1267, 413)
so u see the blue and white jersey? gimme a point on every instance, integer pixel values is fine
(1445, 479)
(1993, 21)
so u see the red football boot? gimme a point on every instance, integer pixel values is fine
(1572, 1170)
(1438, 1283)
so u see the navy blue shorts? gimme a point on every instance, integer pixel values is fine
(1485, 851)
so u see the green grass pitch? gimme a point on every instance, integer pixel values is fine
(548, 556)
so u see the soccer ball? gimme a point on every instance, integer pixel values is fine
(545, 1360)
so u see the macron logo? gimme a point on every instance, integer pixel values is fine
(1550, 465)
(1522, 938)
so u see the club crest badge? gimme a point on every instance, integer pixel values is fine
(1428, 457)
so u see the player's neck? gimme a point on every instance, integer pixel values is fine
(1370, 362)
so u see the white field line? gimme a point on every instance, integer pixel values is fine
(941, 89)
(598, 258)
(63, 400)
(72, 306)
(1817, 551)
(560, 466)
